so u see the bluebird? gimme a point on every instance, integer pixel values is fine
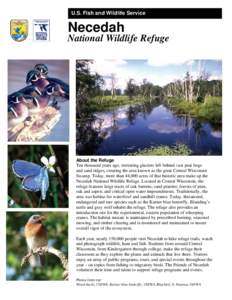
(36, 237)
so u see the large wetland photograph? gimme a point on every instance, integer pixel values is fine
(149, 107)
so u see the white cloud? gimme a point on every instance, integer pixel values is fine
(216, 134)
(215, 77)
(190, 62)
(107, 67)
(159, 62)
(163, 127)
(122, 74)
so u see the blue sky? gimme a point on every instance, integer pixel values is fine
(159, 72)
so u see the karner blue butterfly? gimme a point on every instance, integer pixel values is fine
(35, 177)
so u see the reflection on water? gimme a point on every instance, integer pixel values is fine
(130, 128)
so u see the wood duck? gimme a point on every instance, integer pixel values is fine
(64, 87)
(17, 109)
(35, 78)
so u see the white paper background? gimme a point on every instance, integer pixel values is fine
(189, 39)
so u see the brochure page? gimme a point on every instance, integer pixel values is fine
(115, 144)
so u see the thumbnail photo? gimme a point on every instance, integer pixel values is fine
(149, 107)
(37, 246)
(38, 100)
(38, 176)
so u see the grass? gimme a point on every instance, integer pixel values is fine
(98, 104)
(210, 110)
(180, 149)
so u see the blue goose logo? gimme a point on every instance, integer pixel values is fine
(41, 30)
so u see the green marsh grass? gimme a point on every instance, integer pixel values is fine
(180, 149)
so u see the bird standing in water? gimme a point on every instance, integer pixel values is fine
(36, 237)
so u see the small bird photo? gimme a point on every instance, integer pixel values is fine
(37, 246)
(38, 100)
(38, 176)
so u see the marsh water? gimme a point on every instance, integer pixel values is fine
(130, 128)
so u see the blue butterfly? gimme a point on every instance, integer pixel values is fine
(35, 177)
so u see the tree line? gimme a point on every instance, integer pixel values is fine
(193, 90)
(91, 84)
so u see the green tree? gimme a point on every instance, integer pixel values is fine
(87, 83)
(146, 89)
(132, 89)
